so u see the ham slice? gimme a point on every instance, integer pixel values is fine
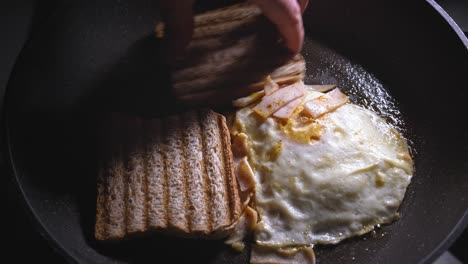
(270, 86)
(325, 103)
(273, 102)
(286, 111)
(248, 100)
(321, 88)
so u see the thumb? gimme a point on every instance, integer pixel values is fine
(287, 16)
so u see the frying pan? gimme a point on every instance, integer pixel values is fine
(399, 58)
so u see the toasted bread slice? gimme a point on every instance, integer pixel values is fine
(232, 51)
(172, 175)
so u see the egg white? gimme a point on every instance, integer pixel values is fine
(341, 185)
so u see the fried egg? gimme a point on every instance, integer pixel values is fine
(319, 181)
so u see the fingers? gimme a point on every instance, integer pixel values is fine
(303, 4)
(178, 18)
(287, 16)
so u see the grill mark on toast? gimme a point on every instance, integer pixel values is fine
(115, 172)
(206, 180)
(194, 80)
(156, 175)
(226, 94)
(126, 175)
(166, 177)
(226, 15)
(214, 169)
(196, 195)
(145, 178)
(216, 62)
(183, 147)
(135, 174)
(234, 12)
(225, 175)
(102, 216)
(207, 31)
(231, 181)
(122, 179)
(176, 202)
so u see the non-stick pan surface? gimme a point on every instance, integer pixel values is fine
(399, 58)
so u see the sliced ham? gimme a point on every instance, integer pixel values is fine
(325, 103)
(321, 88)
(270, 86)
(248, 100)
(286, 111)
(273, 102)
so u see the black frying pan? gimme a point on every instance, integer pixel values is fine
(401, 59)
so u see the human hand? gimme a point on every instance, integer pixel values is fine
(285, 14)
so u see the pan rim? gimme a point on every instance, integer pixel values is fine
(31, 213)
(450, 21)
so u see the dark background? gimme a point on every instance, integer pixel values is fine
(24, 242)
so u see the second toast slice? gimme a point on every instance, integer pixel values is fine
(172, 175)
